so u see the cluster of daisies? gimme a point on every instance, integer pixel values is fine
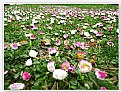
(61, 16)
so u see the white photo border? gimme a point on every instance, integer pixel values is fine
(51, 2)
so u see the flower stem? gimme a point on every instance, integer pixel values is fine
(94, 82)
(54, 86)
(46, 85)
(57, 85)
(77, 64)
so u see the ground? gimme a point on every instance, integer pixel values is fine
(32, 27)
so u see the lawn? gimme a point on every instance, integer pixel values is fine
(61, 47)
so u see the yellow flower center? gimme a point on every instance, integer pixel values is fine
(66, 42)
(80, 56)
(65, 67)
(92, 60)
(85, 66)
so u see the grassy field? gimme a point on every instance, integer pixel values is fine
(94, 24)
(82, 6)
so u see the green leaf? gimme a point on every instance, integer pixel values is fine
(73, 81)
(16, 75)
(108, 84)
(73, 87)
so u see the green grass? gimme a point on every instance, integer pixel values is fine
(106, 56)
(82, 6)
